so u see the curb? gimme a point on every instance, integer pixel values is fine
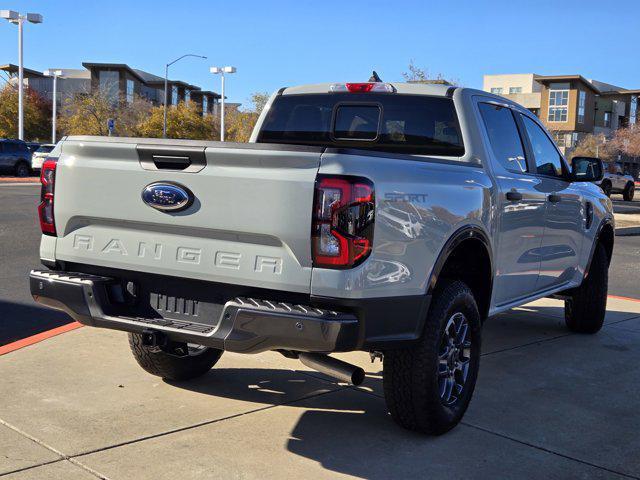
(37, 338)
(19, 184)
(627, 231)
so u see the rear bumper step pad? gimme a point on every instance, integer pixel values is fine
(247, 325)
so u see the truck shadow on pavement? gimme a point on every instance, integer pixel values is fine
(19, 320)
(348, 429)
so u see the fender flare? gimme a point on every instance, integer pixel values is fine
(596, 240)
(459, 236)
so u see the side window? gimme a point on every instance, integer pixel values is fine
(547, 158)
(504, 137)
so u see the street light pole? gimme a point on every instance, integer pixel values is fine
(20, 83)
(166, 82)
(222, 71)
(222, 107)
(55, 74)
(17, 19)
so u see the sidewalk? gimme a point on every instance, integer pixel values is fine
(627, 224)
(548, 404)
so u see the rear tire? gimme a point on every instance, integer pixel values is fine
(629, 191)
(22, 169)
(172, 367)
(429, 385)
(585, 310)
(606, 188)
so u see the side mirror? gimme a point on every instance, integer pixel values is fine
(587, 169)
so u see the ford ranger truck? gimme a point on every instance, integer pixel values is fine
(390, 218)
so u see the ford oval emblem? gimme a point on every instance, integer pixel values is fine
(167, 197)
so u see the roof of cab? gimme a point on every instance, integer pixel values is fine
(401, 87)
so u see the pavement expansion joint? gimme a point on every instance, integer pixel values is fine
(547, 450)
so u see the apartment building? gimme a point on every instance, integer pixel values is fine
(118, 81)
(571, 106)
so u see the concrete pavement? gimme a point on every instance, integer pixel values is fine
(548, 404)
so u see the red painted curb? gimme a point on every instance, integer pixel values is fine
(25, 342)
(624, 298)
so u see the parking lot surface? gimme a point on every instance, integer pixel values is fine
(548, 404)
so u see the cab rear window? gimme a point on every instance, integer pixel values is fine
(410, 124)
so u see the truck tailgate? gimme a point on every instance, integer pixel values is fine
(249, 223)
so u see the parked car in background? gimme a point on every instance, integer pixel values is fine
(33, 146)
(40, 155)
(616, 180)
(15, 157)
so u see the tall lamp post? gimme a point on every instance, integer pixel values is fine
(166, 81)
(18, 19)
(55, 74)
(222, 71)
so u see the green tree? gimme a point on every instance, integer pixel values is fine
(37, 114)
(239, 125)
(184, 120)
(259, 101)
(89, 113)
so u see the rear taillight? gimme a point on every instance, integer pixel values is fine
(45, 209)
(343, 217)
(362, 87)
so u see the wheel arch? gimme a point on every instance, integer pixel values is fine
(467, 256)
(605, 235)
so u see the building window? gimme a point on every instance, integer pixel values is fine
(607, 119)
(205, 106)
(187, 95)
(558, 102)
(582, 100)
(130, 88)
(108, 81)
(497, 90)
(633, 110)
(174, 95)
(513, 90)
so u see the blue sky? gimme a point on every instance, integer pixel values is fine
(280, 43)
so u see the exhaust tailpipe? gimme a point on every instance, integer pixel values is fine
(343, 371)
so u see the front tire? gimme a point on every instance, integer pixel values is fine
(428, 386)
(155, 361)
(629, 191)
(606, 188)
(585, 309)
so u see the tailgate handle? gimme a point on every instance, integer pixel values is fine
(170, 162)
(171, 157)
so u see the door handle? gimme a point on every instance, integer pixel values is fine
(513, 196)
(554, 198)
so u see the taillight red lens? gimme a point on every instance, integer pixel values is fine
(45, 209)
(343, 217)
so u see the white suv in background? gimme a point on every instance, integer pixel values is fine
(617, 181)
(40, 155)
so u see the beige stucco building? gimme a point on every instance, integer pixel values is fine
(570, 106)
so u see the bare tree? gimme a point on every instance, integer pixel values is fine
(421, 75)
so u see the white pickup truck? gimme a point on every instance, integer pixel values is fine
(387, 218)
